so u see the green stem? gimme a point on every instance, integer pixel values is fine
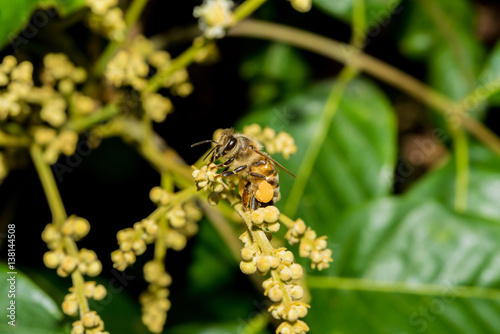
(160, 244)
(182, 61)
(361, 284)
(329, 111)
(345, 53)
(49, 186)
(59, 216)
(318, 137)
(103, 114)
(247, 8)
(188, 56)
(13, 141)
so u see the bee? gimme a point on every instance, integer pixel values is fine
(260, 185)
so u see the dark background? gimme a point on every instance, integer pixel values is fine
(110, 187)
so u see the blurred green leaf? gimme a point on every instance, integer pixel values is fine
(212, 265)
(378, 12)
(277, 68)
(491, 72)
(226, 328)
(483, 189)
(36, 312)
(420, 36)
(15, 16)
(405, 266)
(357, 159)
(119, 310)
(442, 34)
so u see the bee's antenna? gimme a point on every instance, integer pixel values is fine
(204, 142)
(206, 156)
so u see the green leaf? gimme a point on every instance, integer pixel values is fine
(405, 266)
(357, 158)
(378, 12)
(277, 68)
(212, 266)
(442, 34)
(483, 189)
(225, 328)
(420, 36)
(35, 311)
(15, 16)
(491, 72)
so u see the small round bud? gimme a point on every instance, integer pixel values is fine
(218, 188)
(94, 268)
(139, 246)
(274, 262)
(91, 319)
(285, 274)
(248, 267)
(275, 294)
(78, 328)
(247, 253)
(99, 292)
(125, 235)
(286, 258)
(69, 263)
(70, 307)
(297, 292)
(320, 243)
(292, 315)
(275, 227)
(52, 258)
(271, 214)
(81, 227)
(296, 271)
(263, 264)
(129, 257)
(301, 310)
(125, 246)
(300, 227)
(257, 217)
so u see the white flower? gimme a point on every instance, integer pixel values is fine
(215, 16)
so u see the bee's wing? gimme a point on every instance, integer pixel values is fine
(274, 161)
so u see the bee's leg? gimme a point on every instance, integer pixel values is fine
(257, 175)
(244, 197)
(225, 163)
(255, 203)
(232, 172)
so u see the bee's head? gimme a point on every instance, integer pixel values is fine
(224, 145)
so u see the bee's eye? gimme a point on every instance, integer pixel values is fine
(230, 145)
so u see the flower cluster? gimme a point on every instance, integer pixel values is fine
(206, 178)
(281, 288)
(274, 143)
(131, 67)
(310, 245)
(132, 242)
(215, 17)
(266, 218)
(64, 256)
(154, 301)
(44, 108)
(107, 19)
(91, 291)
(169, 226)
(85, 261)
